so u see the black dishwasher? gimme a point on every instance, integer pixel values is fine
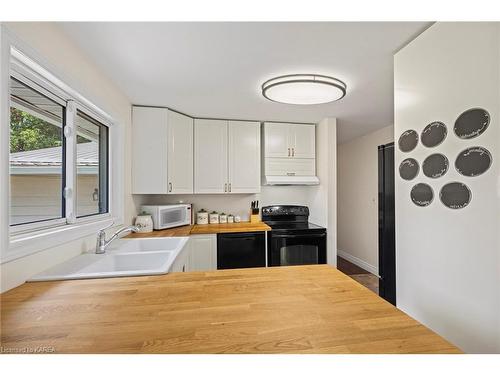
(241, 250)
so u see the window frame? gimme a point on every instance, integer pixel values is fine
(47, 223)
(69, 153)
(26, 239)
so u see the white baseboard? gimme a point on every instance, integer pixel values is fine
(358, 262)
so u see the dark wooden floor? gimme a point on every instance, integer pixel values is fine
(349, 268)
(359, 274)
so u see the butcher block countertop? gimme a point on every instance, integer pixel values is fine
(187, 230)
(301, 309)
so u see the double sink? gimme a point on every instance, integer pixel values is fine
(125, 257)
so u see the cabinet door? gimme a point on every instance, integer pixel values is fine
(244, 157)
(276, 140)
(149, 150)
(303, 141)
(210, 156)
(180, 154)
(203, 252)
(181, 263)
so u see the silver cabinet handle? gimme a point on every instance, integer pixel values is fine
(169, 187)
(229, 187)
(293, 151)
(290, 173)
(288, 151)
(225, 188)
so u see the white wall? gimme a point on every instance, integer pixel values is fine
(323, 204)
(357, 196)
(448, 268)
(65, 60)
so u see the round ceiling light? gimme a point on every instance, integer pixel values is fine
(304, 89)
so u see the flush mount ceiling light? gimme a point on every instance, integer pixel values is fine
(304, 89)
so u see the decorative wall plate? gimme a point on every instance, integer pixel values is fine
(433, 134)
(455, 195)
(473, 161)
(408, 140)
(435, 165)
(408, 169)
(422, 195)
(472, 123)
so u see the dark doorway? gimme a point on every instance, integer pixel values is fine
(386, 224)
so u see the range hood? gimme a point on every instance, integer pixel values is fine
(291, 180)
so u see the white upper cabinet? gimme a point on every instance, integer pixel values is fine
(244, 157)
(277, 140)
(180, 153)
(149, 150)
(162, 151)
(289, 140)
(174, 154)
(210, 156)
(227, 157)
(303, 141)
(289, 151)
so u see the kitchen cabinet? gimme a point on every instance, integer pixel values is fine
(180, 153)
(162, 151)
(244, 157)
(283, 140)
(181, 263)
(277, 140)
(289, 154)
(202, 252)
(290, 167)
(226, 157)
(210, 156)
(303, 141)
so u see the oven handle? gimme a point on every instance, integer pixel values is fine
(315, 235)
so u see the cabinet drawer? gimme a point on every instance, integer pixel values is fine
(290, 167)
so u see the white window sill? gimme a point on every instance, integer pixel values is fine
(22, 245)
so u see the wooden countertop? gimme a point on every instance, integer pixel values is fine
(301, 309)
(205, 229)
(230, 228)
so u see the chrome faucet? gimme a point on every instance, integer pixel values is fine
(102, 243)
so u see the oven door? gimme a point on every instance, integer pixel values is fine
(296, 249)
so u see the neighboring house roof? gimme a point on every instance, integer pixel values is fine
(49, 160)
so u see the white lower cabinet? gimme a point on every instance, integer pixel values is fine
(181, 263)
(202, 252)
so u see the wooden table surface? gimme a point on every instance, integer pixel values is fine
(187, 230)
(301, 309)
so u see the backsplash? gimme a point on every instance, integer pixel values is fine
(236, 204)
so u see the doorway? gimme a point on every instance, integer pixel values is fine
(386, 221)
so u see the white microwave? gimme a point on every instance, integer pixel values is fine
(169, 216)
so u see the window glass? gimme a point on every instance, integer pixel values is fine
(92, 166)
(36, 156)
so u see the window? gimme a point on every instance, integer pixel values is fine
(58, 158)
(92, 166)
(36, 156)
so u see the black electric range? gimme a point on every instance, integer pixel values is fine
(293, 240)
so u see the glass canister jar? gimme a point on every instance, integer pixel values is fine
(230, 218)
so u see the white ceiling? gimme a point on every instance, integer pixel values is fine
(216, 69)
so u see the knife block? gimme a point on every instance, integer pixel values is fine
(254, 216)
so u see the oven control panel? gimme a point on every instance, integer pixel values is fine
(285, 210)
